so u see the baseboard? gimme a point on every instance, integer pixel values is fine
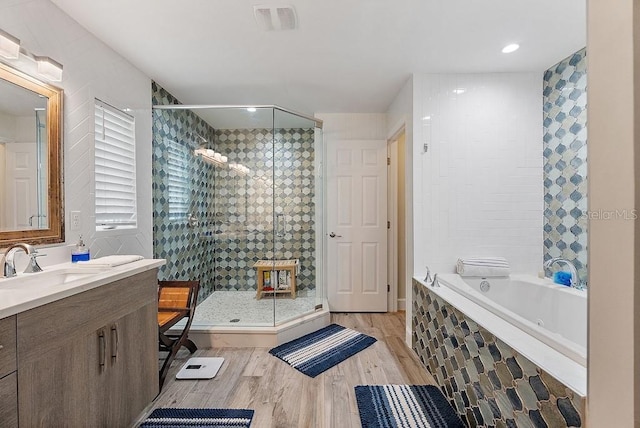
(402, 304)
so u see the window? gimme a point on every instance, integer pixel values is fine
(178, 176)
(115, 168)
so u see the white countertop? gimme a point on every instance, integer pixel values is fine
(30, 290)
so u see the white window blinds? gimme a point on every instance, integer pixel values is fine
(178, 175)
(115, 168)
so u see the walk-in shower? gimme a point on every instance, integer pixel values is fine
(237, 194)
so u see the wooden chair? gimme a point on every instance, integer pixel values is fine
(176, 301)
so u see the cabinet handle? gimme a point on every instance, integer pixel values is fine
(114, 339)
(102, 348)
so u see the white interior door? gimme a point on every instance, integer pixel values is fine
(22, 185)
(357, 226)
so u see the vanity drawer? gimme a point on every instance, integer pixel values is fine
(8, 345)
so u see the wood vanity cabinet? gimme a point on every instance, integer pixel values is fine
(90, 360)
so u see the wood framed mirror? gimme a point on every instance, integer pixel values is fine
(31, 202)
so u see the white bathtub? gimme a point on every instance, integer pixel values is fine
(554, 314)
(545, 322)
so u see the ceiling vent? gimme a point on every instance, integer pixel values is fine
(275, 18)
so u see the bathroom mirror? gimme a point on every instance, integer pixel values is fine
(31, 208)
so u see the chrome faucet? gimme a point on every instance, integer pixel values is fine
(431, 280)
(428, 278)
(8, 261)
(575, 280)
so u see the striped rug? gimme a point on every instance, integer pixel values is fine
(317, 352)
(200, 418)
(405, 406)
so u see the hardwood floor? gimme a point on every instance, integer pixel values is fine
(283, 397)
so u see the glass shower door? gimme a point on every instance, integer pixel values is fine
(294, 215)
(244, 237)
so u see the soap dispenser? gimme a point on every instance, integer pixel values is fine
(80, 253)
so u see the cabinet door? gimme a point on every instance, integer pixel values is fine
(7, 346)
(61, 387)
(133, 364)
(9, 401)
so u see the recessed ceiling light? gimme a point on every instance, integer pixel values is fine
(426, 118)
(511, 48)
(251, 109)
(459, 91)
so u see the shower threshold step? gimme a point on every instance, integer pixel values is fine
(237, 336)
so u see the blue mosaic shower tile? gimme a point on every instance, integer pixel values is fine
(565, 156)
(247, 202)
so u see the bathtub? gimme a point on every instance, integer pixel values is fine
(555, 315)
(508, 349)
(545, 322)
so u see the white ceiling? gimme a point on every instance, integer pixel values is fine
(347, 56)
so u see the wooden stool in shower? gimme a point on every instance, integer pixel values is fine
(263, 266)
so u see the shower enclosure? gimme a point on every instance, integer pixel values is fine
(238, 204)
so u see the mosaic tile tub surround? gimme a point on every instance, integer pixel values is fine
(485, 380)
(565, 161)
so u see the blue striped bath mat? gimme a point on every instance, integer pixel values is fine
(415, 406)
(317, 352)
(199, 418)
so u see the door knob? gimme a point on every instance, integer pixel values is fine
(333, 235)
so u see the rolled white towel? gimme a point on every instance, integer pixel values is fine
(483, 266)
(110, 261)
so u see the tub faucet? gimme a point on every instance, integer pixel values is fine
(428, 278)
(8, 261)
(575, 281)
(431, 280)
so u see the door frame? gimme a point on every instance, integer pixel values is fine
(326, 230)
(392, 218)
(394, 155)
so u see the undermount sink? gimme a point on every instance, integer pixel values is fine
(51, 278)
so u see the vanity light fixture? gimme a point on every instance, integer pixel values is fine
(511, 48)
(9, 46)
(48, 68)
(10, 49)
(251, 109)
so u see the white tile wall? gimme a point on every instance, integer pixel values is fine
(91, 70)
(353, 126)
(478, 190)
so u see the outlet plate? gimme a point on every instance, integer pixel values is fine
(75, 220)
